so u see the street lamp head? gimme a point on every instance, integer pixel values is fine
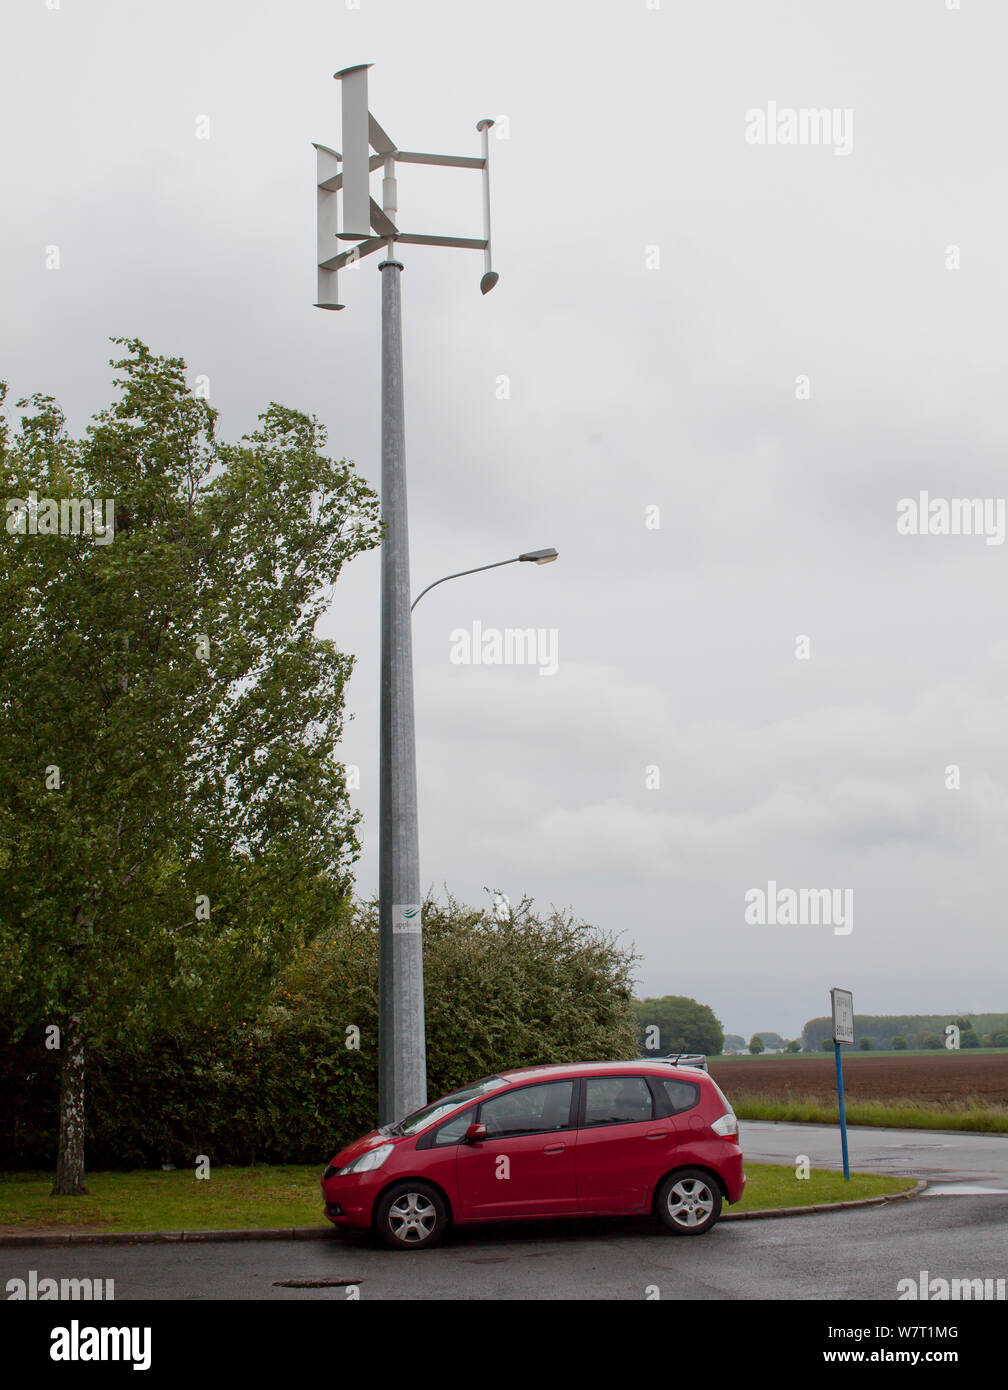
(539, 557)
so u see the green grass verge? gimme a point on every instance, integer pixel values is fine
(770, 1187)
(897, 1114)
(237, 1198)
(230, 1199)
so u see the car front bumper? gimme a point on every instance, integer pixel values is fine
(349, 1201)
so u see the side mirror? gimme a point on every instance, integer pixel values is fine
(475, 1134)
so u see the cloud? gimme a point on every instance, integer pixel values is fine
(629, 387)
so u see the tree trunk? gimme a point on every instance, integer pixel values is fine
(70, 1163)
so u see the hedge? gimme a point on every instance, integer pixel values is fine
(285, 1086)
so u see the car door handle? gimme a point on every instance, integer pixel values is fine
(554, 1148)
(658, 1134)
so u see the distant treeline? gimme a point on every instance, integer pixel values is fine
(882, 1028)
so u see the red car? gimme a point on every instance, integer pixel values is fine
(592, 1138)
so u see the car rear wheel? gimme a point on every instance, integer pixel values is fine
(689, 1202)
(411, 1216)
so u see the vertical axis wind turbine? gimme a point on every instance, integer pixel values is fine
(347, 176)
(348, 213)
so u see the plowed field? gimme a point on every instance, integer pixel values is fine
(938, 1078)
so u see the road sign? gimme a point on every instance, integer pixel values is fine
(842, 1005)
(842, 1002)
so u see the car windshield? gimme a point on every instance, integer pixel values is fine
(420, 1119)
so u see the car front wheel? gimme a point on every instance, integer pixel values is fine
(689, 1202)
(411, 1216)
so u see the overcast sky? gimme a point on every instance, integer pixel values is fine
(666, 283)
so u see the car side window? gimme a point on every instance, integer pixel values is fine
(529, 1110)
(681, 1095)
(453, 1130)
(617, 1100)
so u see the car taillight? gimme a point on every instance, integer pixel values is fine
(726, 1126)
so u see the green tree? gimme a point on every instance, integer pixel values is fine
(899, 1043)
(865, 1045)
(173, 818)
(793, 1046)
(676, 1023)
(756, 1045)
(925, 1039)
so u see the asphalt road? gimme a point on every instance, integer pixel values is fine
(944, 1159)
(857, 1254)
(861, 1253)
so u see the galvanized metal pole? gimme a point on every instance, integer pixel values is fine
(402, 1051)
(343, 186)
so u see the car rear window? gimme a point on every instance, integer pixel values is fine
(682, 1095)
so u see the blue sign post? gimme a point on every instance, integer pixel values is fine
(842, 1006)
(843, 1112)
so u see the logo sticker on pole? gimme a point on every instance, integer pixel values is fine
(406, 919)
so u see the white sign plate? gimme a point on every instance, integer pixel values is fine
(842, 1003)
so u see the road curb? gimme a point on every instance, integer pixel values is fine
(165, 1237)
(825, 1206)
(324, 1233)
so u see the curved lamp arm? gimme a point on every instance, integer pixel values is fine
(537, 557)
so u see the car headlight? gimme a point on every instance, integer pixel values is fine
(374, 1158)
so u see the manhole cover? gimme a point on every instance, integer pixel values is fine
(314, 1283)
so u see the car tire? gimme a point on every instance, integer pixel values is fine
(689, 1202)
(411, 1216)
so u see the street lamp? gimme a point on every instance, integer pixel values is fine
(348, 213)
(535, 557)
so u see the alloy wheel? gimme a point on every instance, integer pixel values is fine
(412, 1217)
(690, 1202)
